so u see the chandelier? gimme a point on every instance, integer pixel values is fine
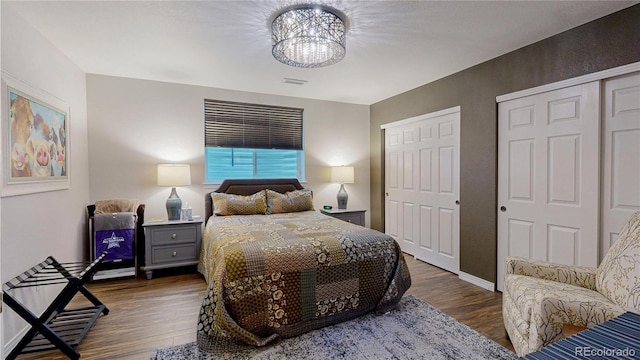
(309, 36)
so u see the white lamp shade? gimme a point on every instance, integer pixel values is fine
(174, 175)
(342, 174)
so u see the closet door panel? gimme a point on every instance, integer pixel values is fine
(443, 148)
(399, 180)
(621, 155)
(548, 177)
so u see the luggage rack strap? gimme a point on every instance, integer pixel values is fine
(50, 272)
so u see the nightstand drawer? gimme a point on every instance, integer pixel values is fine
(170, 254)
(357, 219)
(350, 216)
(173, 235)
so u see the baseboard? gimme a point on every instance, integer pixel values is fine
(477, 281)
(114, 273)
(11, 344)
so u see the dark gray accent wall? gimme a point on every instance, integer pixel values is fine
(602, 44)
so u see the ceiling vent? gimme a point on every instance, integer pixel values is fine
(294, 81)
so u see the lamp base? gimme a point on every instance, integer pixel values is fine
(174, 206)
(342, 198)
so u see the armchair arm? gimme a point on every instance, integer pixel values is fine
(577, 309)
(574, 275)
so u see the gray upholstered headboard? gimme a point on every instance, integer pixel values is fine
(248, 187)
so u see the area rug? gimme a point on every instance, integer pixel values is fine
(414, 330)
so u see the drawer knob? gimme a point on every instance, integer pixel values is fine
(173, 236)
(174, 254)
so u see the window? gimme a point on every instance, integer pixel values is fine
(252, 141)
(239, 163)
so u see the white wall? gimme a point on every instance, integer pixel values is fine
(136, 124)
(35, 226)
(1, 278)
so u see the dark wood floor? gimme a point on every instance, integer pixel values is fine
(150, 314)
(472, 305)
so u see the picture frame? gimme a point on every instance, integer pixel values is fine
(34, 136)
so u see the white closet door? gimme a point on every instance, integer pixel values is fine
(548, 177)
(621, 155)
(399, 184)
(438, 189)
(422, 185)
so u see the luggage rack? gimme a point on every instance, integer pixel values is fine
(56, 327)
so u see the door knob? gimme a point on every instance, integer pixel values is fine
(503, 208)
(457, 202)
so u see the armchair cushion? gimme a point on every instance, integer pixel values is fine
(618, 276)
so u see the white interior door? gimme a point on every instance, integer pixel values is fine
(621, 155)
(422, 186)
(438, 174)
(548, 177)
(399, 144)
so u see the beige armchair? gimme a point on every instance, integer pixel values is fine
(539, 297)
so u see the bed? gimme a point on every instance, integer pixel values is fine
(275, 268)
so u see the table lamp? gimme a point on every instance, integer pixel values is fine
(342, 175)
(174, 175)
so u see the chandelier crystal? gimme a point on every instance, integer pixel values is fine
(309, 36)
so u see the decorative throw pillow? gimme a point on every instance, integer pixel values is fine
(292, 201)
(230, 204)
(618, 275)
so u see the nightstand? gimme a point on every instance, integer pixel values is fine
(352, 216)
(171, 244)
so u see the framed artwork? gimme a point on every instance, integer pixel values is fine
(35, 139)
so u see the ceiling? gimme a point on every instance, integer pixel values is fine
(392, 46)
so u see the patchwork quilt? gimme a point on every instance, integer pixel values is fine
(281, 275)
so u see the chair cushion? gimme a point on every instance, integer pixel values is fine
(618, 276)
